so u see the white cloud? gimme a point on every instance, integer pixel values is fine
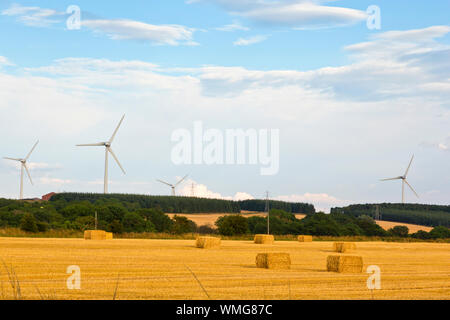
(202, 191)
(135, 30)
(5, 62)
(321, 201)
(235, 26)
(291, 13)
(305, 15)
(33, 16)
(249, 41)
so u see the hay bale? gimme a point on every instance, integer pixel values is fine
(264, 239)
(343, 246)
(207, 242)
(109, 235)
(304, 238)
(273, 260)
(345, 264)
(94, 235)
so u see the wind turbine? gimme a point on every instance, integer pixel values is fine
(108, 150)
(23, 165)
(173, 186)
(403, 178)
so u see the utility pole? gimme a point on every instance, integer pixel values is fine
(267, 210)
(192, 190)
(95, 220)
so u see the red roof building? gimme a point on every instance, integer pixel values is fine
(48, 196)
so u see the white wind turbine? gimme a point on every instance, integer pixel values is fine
(173, 186)
(108, 150)
(23, 165)
(403, 178)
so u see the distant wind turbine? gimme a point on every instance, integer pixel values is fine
(173, 186)
(108, 150)
(23, 165)
(403, 178)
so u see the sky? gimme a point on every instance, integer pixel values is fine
(352, 94)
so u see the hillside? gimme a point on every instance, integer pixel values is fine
(419, 214)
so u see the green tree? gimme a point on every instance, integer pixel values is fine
(183, 225)
(116, 227)
(29, 223)
(399, 231)
(133, 222)
(232, 225)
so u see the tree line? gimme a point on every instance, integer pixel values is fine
(422, 214)
(319, 224)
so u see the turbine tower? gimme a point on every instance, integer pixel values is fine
(403, 178)
(108, 150)
(173, 186)
(23, 165)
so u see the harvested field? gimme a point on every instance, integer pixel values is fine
(413, 228)
(157, 269)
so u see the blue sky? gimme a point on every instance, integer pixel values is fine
(352, 104)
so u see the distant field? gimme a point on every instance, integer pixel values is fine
(158, 269)
(413, 228)
(204, 219)
(210, 218)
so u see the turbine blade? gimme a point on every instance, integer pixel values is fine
(170, 185)
(411, 188)
(115, 131)
(181, 180)
(397, 178)
(409, 166)
(99, 144)
(117, 160)
(32, 149)
(13, 159)
(28, 173)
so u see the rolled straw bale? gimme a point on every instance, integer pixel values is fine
(109, 235)
(304, 238)
(343, 246)
(345, 264)
(264, 239)
(207, 242)
(273, 261)
(94, 235)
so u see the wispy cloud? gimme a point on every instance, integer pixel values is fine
(123, 29)
(249, 41)
(297, 14)
(34, 16)
(235, 26)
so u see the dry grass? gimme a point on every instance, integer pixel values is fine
(413, 228)
(202, 219)
(157, 269)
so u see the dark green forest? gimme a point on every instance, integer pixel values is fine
(427, 215)
(319, 224)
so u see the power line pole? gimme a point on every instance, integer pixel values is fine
(267, 210)
(96, 220)
(192, 190)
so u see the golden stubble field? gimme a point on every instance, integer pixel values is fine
(159, 269)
